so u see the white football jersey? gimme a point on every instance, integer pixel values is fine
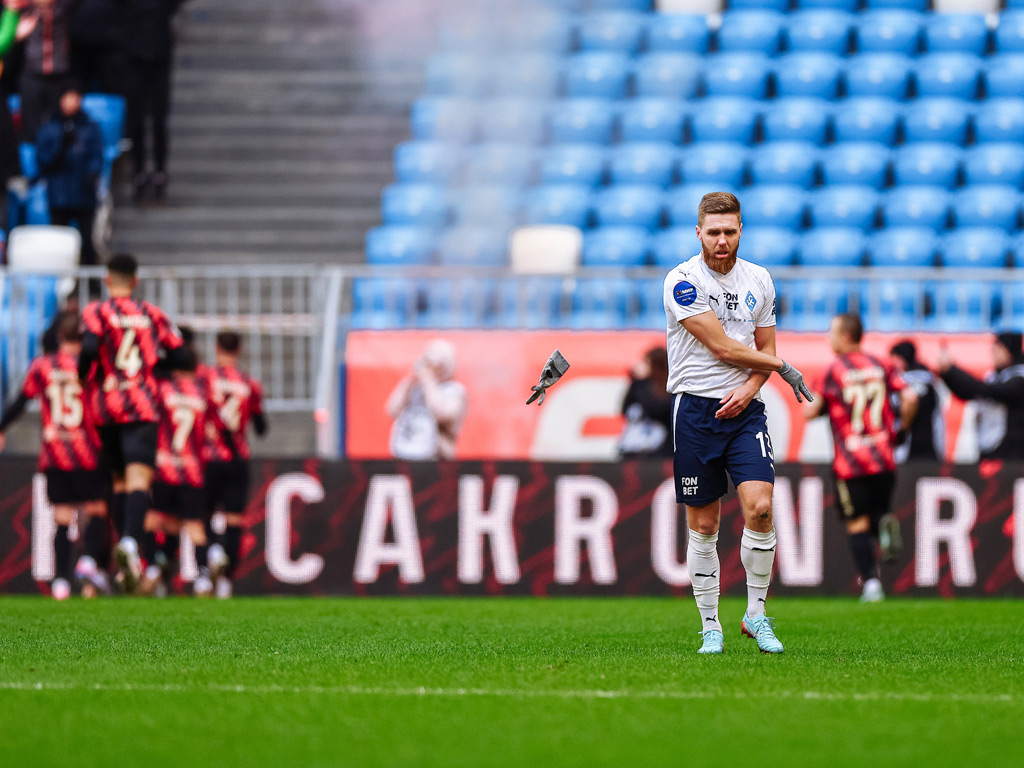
(742, 300)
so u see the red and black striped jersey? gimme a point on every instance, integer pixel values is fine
(857, 391)
(131, 334)
(185, 412)
(238, 397)
(69, 438)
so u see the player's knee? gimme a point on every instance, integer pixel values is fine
(761, 510)
(62, 514)
(196, 531)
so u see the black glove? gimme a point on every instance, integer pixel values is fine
(552, 372)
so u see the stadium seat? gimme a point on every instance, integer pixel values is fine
(654, 120)
(751, 31)
(1009, 35)
(583, 121)
(927, 164)
(616, 247)
(643, 6)
(890, 31)
(457, 74)
(779, 6)
(629, 206)
(675, 245)
(667, 75)
(600, 303)
(863, 163)
(485, 204)
(868, 119)
(27, 158)
(785, 162)
(445, 119)
(714, 165)
(847, 6)
(995, 163)
(573, 164)
(917, 207)
(678, 33)
(681, 204)
(1003, 76)
(999, 120)
(844, 206)
(879, 74)
(548, 249)
(813, 303)
(527, 76)
(530, 302)
(965, 306)
(597, 75)
(940, 119)
(917, 6)
(951, 75)
(809, 74)
(797, 120)
(961, 32)
(37, 205)
(774, 206)
(426, 162)
(820, 30)
(500, 163)
(480, 246)
(725, 119)
(539, 32)
(886, 302)
(466, 302)
(832, 247)
(996, 206)
(975, 248)
(613, 31)
(419, 205)
(559, 204)
(108, 111)
(1011, 302)
(644, 163)
(399, 246)
(382, 302)
(769, 246)
(736, 74)
(514, 120)
(903, 247)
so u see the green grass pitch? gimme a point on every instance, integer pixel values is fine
(506, 682)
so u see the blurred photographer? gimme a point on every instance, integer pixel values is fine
(647, 407)
(923, 440)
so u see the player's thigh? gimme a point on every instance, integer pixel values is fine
(235, 494)
(138, 443)
(881, 488)
(748, 454)
(111, 448)
(855, 502)
(163, 499)
(698, 466)
(60, 487)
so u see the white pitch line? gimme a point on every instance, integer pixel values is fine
(514, 693)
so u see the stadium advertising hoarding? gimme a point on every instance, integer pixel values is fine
(528, 528)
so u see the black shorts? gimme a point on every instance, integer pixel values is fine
(185, 502)
(227, 486)
(866, 496)
(76, 486)
(125, 444)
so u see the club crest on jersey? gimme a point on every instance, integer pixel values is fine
(750, 301)
(684, 293)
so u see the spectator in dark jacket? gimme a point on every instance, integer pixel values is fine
(924, 439)
(999, 398)
(97, 45)
(647, 407)
(47, 69)
(70, 153)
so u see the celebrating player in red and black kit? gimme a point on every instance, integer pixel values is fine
(69, 456)
(857, 392)
(120, 348)
(239, 399)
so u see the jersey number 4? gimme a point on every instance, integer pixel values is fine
(865, 396)
(128, 358)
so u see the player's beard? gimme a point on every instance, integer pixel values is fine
(720, 264)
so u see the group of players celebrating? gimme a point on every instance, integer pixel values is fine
(133, 424)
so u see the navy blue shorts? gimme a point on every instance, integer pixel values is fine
(706, 448)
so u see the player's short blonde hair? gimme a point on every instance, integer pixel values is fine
(717, 202)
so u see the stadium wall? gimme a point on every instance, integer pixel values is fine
(526, 528)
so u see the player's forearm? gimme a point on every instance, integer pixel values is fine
(88, 355)
(399, 397)
(733, 352)
(13, 411)
(908, 407)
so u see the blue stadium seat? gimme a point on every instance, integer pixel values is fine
(848, 6)
(613, 31)
(780, 6)
(668, 75)
(903, 247)
(486, 204)
(600, 303)
(943, 119)
(675, 245)
(889, 301)
(868, 119)
(737, 74)
(879, 74)
(844, 206)
(810, 73)
(864, 163)
(419, 205)
(480, 246)
(107, 110)
(644, 163)
(650, 292)
(445, 119)
(774, 206)
(382, 302)
(559, 204)
(832, 247)
(619, 5)
(917, 6)
(928, 164)
(725, 119)
(963, 32)
(426, 161)
(527, 76)
(629, 206)
(586, 121)
(996, 206)
(917, 207)
(681, 204)
(811, 304)
(975, 248)
(500, 163)
(1009, 35)
(597, 75)
(531, 302)
(27, 157)
(769, 246)
(573, 164)
(616, 247)
(654, 120)
(714, 165)
(891, 31)
(965, 306)
(785, 162)
(952, 75)
(751, 31)
(1012, 301)
(999, 120)
(457, 74)
(399, 246)
(995, 163)
(465, 302)
(550, 32)
(1003, 76)
(514, 120)
(37, 205)
(678, 33)
(797, 120)
(820, 30)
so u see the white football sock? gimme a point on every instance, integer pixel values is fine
(757, 553)
(702, 563)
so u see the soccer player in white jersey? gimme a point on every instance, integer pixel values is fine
(721, 350)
